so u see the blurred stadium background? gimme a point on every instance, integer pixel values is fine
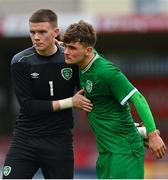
(132, 33)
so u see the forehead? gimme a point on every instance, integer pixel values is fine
(73, 44)
(40, 25)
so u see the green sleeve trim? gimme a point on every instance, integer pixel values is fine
(143, 111)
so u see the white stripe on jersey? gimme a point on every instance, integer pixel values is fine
(128, 96)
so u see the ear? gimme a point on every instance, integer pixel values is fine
(89, 50)
(56, 31)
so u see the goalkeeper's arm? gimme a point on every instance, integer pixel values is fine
(77, 101)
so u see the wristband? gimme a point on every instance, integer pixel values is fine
(66, 103)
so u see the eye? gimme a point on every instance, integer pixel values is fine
(72, 47)
(69, 46)
(32, 32)
(42, 32)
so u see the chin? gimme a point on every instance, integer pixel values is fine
(38, 49)
(68, 62)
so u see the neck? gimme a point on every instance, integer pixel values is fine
(87, 60)
(48, 52)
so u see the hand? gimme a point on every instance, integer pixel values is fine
(81, 102)
(156, 145)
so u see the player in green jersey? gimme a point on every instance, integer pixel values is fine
(120, 147)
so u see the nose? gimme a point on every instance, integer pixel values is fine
(36, 36)
(66, 51)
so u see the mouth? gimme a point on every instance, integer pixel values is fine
(38, 44)
(67, 60)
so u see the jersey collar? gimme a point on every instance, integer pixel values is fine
(90, 64)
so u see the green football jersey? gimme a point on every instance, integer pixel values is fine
(110, 119)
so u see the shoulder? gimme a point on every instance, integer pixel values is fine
(23, 55)
(105, 66)
(111, 73)
(61, 48)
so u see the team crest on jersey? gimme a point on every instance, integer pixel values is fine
(6, 170)
(88, 86)
(66, 73)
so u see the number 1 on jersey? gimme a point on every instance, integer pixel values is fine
(51, 88)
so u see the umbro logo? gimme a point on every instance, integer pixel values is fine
(34, 75)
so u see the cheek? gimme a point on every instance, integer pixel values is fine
(49, 38)
(47, 41)
(76, 54)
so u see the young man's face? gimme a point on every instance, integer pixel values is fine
(43, 35)
(75, 53)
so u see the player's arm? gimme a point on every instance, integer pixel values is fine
(77, 101)
(156, 144)
(31, 106)
(20, 72)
